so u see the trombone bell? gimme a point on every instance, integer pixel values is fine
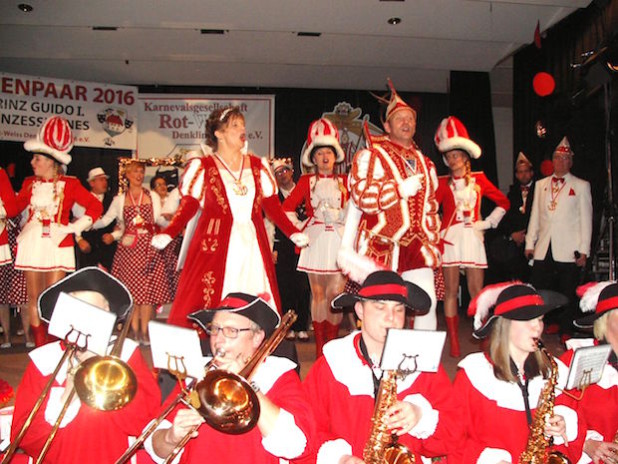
(106, 384)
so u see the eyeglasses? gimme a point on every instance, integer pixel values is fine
(228, 332)
(282, 171)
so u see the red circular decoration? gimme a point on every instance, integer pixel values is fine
(543, 84)
(547, 168)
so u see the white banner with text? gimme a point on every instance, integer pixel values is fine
(100, 115)
(171, 125)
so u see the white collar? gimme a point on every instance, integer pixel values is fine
(351, 370)
(507, 395)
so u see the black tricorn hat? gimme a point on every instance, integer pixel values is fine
(87, 279)
(597, 299)
(387, 286)
(250, 306)
(511, 300)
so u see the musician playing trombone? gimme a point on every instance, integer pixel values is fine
(86, 434)
(343, 385)
(285, 426)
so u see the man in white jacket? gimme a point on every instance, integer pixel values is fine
(560, 231)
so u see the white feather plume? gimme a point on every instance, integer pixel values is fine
(479, 307)
(590, 298)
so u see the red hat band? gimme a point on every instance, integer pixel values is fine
(233, 302)
(518, 302)
(607, 304)
(386, 289)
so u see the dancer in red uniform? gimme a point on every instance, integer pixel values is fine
(324, 195)
(45, 245)
(460, 195)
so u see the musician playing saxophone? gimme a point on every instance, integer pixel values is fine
(502, 408)
(342, 384)
(598, 408)
(285, 425)
(86, 434)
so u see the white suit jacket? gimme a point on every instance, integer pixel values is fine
(568, 228)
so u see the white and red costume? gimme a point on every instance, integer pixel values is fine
(597, 409)
(397, 233)
(387, 230)
(290, 438)
(340, 387)
(228, 247)
(8, 208)
(45, 242)
(493, 414)
(461, 210)
(324, 198)
(85, 434)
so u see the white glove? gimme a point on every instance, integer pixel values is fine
(481, 225)
(160, 241)
(82, 224)
(300, 239)
(410, 186)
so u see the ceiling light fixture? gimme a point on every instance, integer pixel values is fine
(212, 31)
(104, 28)
(25, 7)
(394, 21)
(308, 34)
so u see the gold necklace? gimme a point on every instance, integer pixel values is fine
(239, 188)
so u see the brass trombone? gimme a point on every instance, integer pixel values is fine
(228, 402)
(72, 346)
(107, 383)
(185, 396)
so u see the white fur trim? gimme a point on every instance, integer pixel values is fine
(494, 455)
(460, 143)
(349, 370)
(331, 451)
(55, 404)
(36, 146)
(323, 141)
(428, 422)
(286, 440)
(47, 357)
(507, 395)
(570, 419)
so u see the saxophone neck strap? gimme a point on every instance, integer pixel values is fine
(372, 367)
(523, 386)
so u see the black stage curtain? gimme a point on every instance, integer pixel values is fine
(470, 101)
(577, 106)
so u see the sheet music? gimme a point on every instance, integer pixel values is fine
(419, 350)
(180, 344)
(73, 313)
(587, 366)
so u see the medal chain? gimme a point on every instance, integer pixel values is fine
(239, 188)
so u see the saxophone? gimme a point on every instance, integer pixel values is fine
(537, 448)
(382, 446)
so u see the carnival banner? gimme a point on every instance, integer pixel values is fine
(101, 115)
(172, 125)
